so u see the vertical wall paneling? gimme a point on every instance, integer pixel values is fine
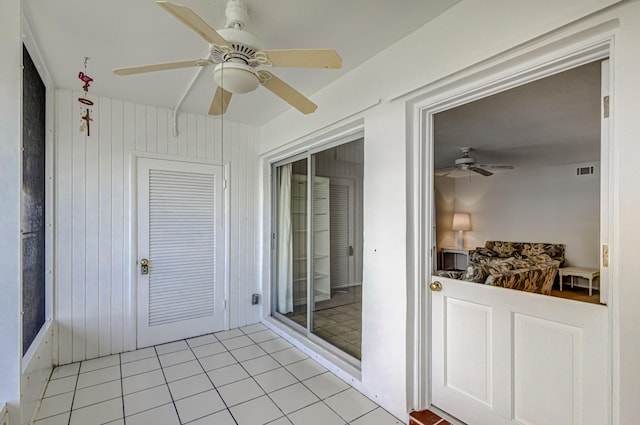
(182, 134)
(141, 128)
(128, 289)
(201, 145)
(95, 292)
(78, 273)
(104, 228)
(64, 230)
(152, 129)
(252, 220)
(92, 236)
(163, 129)
(191, 135)
(117, 224)
(209, 137)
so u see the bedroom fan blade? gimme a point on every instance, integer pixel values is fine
(496, 166)
(193, 21)
(287, 93)
(481, 171)
(220, 101)
(160, 67)
(301, 58)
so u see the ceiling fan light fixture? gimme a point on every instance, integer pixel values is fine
(236, 78)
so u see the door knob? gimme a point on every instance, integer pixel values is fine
(436, 286)
(144, 266)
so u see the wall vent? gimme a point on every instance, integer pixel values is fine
(587, 170)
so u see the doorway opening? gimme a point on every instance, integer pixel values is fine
(517, 187)
(317, 246)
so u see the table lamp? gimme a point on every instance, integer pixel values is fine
(461, 222)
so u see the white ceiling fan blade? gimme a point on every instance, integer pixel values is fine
(287, 93)
(300, 58)
(160, 67)
(220, 101)
(193, 21)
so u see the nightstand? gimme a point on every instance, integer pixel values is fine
(460, 257)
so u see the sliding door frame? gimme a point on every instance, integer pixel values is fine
(307, 153)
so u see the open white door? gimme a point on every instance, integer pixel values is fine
(501, 356)
(181, 238)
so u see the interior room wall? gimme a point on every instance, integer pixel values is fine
(445, 200)
(549, 204)
(95, 300)
(375, 92)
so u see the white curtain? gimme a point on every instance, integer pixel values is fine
(284, 251)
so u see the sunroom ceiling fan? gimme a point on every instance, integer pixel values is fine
(464, 165)
(238, 55)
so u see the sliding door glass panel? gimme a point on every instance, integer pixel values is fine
(291, 241)
(336, 205)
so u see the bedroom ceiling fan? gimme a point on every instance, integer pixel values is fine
(238, 54)
(464, 165)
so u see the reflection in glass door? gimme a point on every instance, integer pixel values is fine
(291, 241)
(321, 254)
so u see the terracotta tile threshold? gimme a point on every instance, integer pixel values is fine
(426, 417)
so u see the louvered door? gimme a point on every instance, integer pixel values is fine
(180, 233)
(342, 233)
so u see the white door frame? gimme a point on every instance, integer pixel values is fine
(502, 73)
(130, 322)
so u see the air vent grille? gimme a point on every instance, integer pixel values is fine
(586, 170)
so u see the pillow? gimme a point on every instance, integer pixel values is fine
(485, 251)
(504, 249)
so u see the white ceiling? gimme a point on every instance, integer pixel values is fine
(119, 33)
(552, 121)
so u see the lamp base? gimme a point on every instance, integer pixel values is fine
(459, 240)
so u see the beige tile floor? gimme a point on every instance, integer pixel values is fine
(246, 376)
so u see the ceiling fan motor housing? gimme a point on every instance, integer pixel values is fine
(465, 161)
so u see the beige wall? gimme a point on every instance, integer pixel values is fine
(548, 204)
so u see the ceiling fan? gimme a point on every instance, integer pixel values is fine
(464, 165)
(238, 55)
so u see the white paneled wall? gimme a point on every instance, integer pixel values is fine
(94, 294)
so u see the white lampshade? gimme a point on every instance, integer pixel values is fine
(461, 221)
(238, 78)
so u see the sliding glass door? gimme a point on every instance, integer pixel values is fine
(317, 250)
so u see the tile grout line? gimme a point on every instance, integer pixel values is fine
(167, 384)
(214, 385)
(124, 418)
(74, 394)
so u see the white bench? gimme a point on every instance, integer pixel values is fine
(584, 272)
